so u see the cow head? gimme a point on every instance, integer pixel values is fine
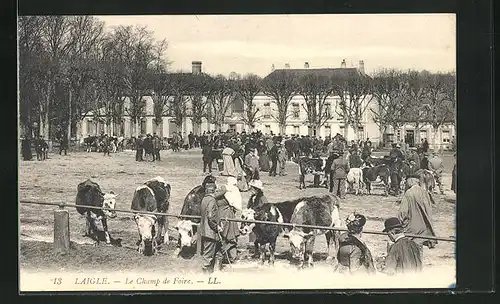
(186, 233)
(248, 215)
(298, 240)
(146, 226)
(110, 202)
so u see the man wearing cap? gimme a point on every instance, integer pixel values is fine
(353, 253)
(415, 212)
(210, 228)
(282, 159)
(252, 162)
(340, 168)
(403, 256)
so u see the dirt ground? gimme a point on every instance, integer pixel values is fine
(56, 179)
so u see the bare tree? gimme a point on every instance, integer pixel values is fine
(221, 95)
(389, 91)
(438, 102)
(315, 89)
(160, 83)
(32, 70)
(247, 88)
(416, 92)
(281, 86)
(355, 93)
(199, 88)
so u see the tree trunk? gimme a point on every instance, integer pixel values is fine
(69, 119)
(282, 127)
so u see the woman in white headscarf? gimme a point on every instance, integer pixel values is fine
(227, 157)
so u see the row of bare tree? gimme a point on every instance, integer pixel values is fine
(69, 66)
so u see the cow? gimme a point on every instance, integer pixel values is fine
(355, 180)
(188, 227)
(265, 234)
(377, 174)
(89, 194)
(153, 196)
(91, 142)
(427, 180)
(314, 166)
(317, 211)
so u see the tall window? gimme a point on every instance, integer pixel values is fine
(398, 135)
(296, 110)
(143, 126)
(328, 131)
(361, 133)
(90, 127)
(267, 110)
(423, 134)
(296, 130)
(268, 129)
(446, 136)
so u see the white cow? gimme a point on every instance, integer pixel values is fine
(355, 180)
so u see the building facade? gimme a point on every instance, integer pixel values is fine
(296, 123)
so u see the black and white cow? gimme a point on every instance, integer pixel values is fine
(153, 196)
(90, 194)
(265, 234)
(314, 166)
(380, 173)
(316, 211)
(187, 227)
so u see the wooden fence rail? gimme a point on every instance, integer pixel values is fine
(61, 224)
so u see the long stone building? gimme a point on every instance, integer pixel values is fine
(296, 123)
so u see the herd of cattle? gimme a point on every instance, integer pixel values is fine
(382, 170)
(154, 196)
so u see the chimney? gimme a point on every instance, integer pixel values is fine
(272, 67)
(196, 67)
(306, 65)
(343, 64)
(287, 65)
(361, 66)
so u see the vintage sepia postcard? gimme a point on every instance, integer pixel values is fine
(237, 152)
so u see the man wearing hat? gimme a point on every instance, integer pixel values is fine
(340, 168)
(415, 212)
(210, 228)
(353, 253)
(403, 256)
(454, 175)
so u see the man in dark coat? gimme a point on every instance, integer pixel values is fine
(26, 149)
(404, 255)
(425, 146)
(156, 147)
(207, 157)
(454, 175)
(340, 168)
(273, 154)
(106, 144)
(63, 145)
(139, 146)
(210, 229)
(353, 253)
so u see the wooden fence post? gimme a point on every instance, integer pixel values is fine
(61, 231)
(198, 242)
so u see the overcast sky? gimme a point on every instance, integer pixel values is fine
(252, 43)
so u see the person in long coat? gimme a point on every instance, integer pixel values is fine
(264, 162)
(26, 149)
(227, 157)
(415, 212)
(230, 230)
(210, 229)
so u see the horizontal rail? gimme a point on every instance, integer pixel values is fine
(62, 205)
